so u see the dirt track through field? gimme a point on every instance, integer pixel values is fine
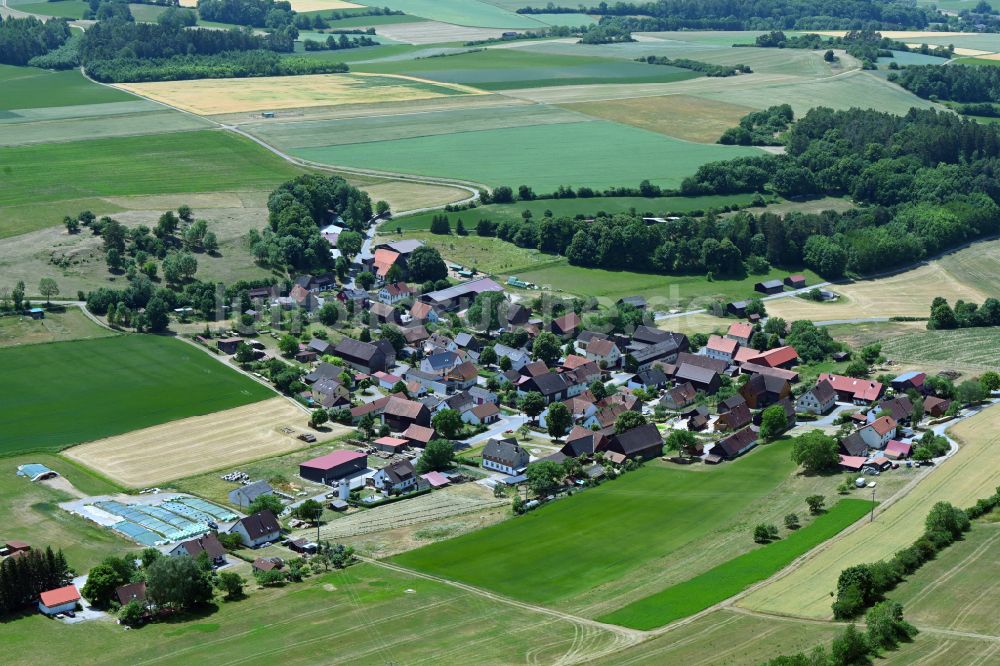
(195, 445)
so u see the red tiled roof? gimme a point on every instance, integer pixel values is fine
(391, 441)
(852, 462)
(883, 425)
(745, 355)
(573, 361)
(60, 596)
(740, 329)
(722, 345)
(863, 389)
(419, 433)
(384, 259)
(777, 356)
(599, 347)
(334, 459)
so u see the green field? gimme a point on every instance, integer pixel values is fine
(597, 154)
(146, 13)
(71, 9)
(736, 575)
(503, 69)
(472, 13)
(568, 208)
(362, 615)
(608, 533)
(181, 162)
(29, 512)
(972, 349)
(64, 393)
(29, 88)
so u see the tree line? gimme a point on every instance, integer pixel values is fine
(230, 64)
(254, 13)
(957, 83)
(332, 43)
(927, 177)
(27, 38)
(756, 14)
(963, 315)
(706, 68)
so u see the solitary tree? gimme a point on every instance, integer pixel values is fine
(544, 476)
(48, 288)
(232, 584)
(310, 511)
(365, 280)
(682, 441)
(816, 452)
(765, 532)
(289, 345)
(815, 503)
(558, 420)
(318, 418)
(773, 422)
(448, 422)
(438, 455)
(268, 502)
(532, 404)
(546, 348)
(628, 420)
(177, 582)
(488, 356)
(792, 521)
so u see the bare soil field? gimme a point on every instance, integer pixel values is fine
(904, 294)
(680, 116)
(970, 474)
(199, 444)
(215, 96)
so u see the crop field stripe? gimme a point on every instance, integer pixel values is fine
(736, 575)
(29, 87)
(63, 393)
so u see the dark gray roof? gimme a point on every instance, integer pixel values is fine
(508, 451)
(694, 374)
(731, 446)
(549, 383)
(650, 336)
(323, 371)
(714, 364)
(639, 439)
(824, 391)
(252, 491)
(651, 377)
(399, 471)
(854, 445)
(260, 524)
(355, 349)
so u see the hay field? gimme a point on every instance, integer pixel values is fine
(904, 294)
(194, 445)
(969, 349)
(681, 116)
(977, 266)
(55, 327)
(214, 96)
(972, 473)
(404, 195)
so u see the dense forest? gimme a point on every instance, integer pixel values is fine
(957, 83)
(296, 210)
(758, 14)
(27, 38)
(231, 64)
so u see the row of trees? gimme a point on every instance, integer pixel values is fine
(228, 64)
(706, 68)
(332, 43)
(23, 578)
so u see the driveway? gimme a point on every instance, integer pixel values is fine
(498, 429)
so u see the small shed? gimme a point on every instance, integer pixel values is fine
(37, 313)
(769, 287)
(797, 281)
(59, 600)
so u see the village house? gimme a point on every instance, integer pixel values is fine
(418, 436)
(702, 379)
(421, 312)
(760, 391)
(566, 325)
(603, 352)
(59, 600)
(899, 408)
(245, 495)
(909, 381)
(735, 417)
(721, 348)
(395, 478)
(400, 413)
(517, 315)
(505, 455)
(126, 594)
(332, 467)
(735, 444)
(257, 529)
(468, 342)
(679, 397)
(637, 302)
(392, 445)
(779, 357)
(390, 294)
(820, 399)
(206, 543)
(741, 332)
(651, 378)
(642, 443)
(385, 314)
(482, 414)
(363, 356)
(459, 296)
(440, 362)
(854, 445)
(518, 357)
(849, 389)
(878, 433)
(936, 406)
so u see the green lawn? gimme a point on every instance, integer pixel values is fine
(64, 393)
(504, 69)
(29, 512)
(574, 545)
(658, 206)
(180, 162)
(56, 326)
(597, 154)
(362, 615)
(737, 574)
(29, 88)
